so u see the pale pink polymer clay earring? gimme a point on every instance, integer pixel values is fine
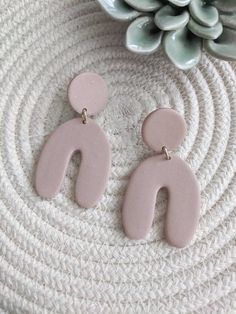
(88, 95)
(163, 130)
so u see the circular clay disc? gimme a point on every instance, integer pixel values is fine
(164, 127)
(88, 90)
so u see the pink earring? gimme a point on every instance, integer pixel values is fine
(162, 130)
(88, 95)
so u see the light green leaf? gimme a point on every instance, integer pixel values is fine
(183, 48)
(145, 5)
(224, 47)
(143, 36)
(180, 3)
(226, 5)
(119, 10)
(203, 13)
(204, 31)
(168, 18)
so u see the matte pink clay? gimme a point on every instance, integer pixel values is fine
(163, 127)
(72, 136)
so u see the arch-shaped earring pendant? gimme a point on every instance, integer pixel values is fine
(88, 95)
(162, 130)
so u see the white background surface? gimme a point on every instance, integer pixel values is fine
(59, 258)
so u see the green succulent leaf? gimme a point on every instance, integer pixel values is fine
(169, 18)
(119, 10)
(203, 13)
(145, 5)
(225, 5)
(205, 32)
(180, 3)
(183, 48)
(229, 20)
(224, 46)
(143, 36)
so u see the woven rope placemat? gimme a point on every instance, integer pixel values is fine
(59, 258)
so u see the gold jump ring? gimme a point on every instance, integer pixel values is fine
(166, 152)
(84, 116)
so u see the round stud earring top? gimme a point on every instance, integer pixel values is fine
(88, 91)
(164, 128)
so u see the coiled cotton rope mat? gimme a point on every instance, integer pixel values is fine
(59, 258)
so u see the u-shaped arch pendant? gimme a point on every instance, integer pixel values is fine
(183, 204)
(94, 169)
(163, 129)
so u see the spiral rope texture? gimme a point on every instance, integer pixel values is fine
(56, 257)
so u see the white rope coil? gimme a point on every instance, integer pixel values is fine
(59, 258)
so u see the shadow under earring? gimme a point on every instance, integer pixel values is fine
(88, 95)
(163, 130)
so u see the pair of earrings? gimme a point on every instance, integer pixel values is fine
(162, 130)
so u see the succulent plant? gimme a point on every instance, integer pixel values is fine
(182, 27)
